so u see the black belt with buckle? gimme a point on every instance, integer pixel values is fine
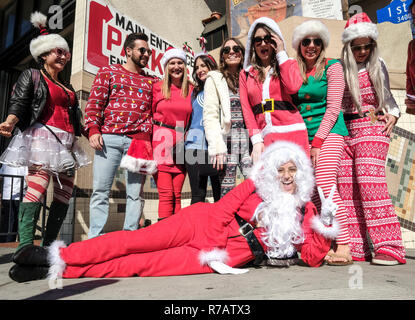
(354, 116)
(161, 124)
(271, 105)
(247, 231)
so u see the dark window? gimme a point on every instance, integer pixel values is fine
(215, 33)
(9, 25)
(26, 10)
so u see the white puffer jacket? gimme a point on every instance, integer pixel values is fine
(216, 112)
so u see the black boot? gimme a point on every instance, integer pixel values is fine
(57, 214)
(20, 273)
(31, 255)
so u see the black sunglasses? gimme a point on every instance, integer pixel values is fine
(317, 42)
(266, 39)
(235, 49)
(365, 47)
(144, 50)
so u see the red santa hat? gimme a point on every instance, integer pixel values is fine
(311, 28)
(172, 53)
(139, 158)
(359, 26)
(46, 41)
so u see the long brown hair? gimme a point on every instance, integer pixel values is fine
(256, 62)
(231, 79)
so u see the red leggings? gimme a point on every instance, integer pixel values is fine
(169, 186)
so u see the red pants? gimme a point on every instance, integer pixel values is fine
(169, 186)
(326, 176)
(363, 188)
(169, 247)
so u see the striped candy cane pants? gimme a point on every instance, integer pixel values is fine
(326, 176)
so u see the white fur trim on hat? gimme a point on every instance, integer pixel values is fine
(360, 30)
(269, 23)
(205, 257)
(138, 165)
(173, 53)
(311, 28)
(45, 42)
(56, 263)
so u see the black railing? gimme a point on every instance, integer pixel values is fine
(9, 207)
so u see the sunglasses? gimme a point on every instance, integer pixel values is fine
(144, 50)
(61, 52)
(365, 47)
(266, 39)
(317, 42)
(235, 49)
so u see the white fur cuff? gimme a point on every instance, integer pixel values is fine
(205, 257)
(327, 232)
(56, 263)
(138, 165)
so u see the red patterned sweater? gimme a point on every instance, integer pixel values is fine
(120, 103)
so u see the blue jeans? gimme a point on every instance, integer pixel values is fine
(106, 163)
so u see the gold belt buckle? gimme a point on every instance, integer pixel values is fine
(272, 105)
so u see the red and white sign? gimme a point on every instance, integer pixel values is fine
(106, 31)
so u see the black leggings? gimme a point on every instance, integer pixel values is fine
(198, 184)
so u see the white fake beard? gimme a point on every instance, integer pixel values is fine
(282, 222)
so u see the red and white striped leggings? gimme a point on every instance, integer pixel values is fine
(326, 176)
(363, 188)
(38, 182)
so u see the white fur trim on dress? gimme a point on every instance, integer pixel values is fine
(311, 28)
(138, 165)
(326, 231)
(56, 263)
(205, 257)
(360, 30)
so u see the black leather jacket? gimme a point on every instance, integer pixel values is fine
(28, 105)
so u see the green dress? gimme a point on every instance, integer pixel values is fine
(311, 102)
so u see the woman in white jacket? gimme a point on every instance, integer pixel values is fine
(228, 141)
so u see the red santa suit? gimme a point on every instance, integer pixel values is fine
(187, 242)
(282, 121)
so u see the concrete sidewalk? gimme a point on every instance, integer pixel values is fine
(358, 281)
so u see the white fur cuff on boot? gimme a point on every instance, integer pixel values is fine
(56, 263)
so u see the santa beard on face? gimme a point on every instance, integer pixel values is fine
(281, 220)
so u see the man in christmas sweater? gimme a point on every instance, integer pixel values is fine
(118, 111)
(248, 223)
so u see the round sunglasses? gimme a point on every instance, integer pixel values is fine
(317, 42)
(365, 47)
(144, 50)
(61, 52)
(266, 39)
(235, 49)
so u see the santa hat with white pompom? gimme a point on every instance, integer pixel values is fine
(46, 41)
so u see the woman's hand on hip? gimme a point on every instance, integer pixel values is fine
(6, 127)
(390, 123)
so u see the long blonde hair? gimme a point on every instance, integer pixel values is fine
(166, 87)
(373, 66)
(320, 64)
